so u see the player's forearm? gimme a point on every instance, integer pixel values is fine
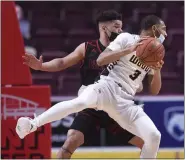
(156, 83)
(109, 56)
(54, 65)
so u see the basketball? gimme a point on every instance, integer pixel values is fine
(151, 51)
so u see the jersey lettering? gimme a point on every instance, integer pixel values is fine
(134, 59)
(111, 65)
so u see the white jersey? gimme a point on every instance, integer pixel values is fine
(128, 71)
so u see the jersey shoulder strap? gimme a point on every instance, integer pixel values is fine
(90, 45)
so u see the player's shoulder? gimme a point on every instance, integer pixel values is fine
(125, 35)
(91, 42)
(129, 38)
(136, 37)
(90, 45)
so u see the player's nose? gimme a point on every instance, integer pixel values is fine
(165, 34)
(120, 30)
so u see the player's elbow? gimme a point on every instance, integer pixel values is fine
(154, 91)
(60, 64)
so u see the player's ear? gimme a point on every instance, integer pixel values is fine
(104, 27)
(154, 30)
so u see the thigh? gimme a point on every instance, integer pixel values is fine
(142, 125)
(97, 94)
(86, 122)
(94, 96)
(117, 102)
(88, 97)
(125, 114)
(114, 128)
(122, 109)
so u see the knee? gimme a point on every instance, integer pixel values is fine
(75, 137)
(74, 140)
(155, 136)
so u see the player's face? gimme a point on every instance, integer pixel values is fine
(159, 31)
(113, 28)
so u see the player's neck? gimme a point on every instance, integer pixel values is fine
(145, 33)
(104, 40)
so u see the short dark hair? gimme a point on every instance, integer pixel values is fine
(148, 21)
(108, 15)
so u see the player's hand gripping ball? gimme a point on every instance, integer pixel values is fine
(151, 51)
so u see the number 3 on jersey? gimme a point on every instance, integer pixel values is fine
(135, 75)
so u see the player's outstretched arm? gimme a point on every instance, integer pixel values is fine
(57, 64)
(155, 79)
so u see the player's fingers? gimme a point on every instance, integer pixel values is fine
(161, 62)
(134, 47)
(155, 66)
(26, 63)
(25, 58)
(30, 56)
(143, 38)
(27, 55)
(138, 44)
(152, 67)
(158, 64)
(41, 59)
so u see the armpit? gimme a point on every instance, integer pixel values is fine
(107, 50)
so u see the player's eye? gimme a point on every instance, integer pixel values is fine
(116, 26)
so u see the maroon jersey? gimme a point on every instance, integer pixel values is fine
(90, 70)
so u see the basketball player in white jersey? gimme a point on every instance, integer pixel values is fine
(114, 92)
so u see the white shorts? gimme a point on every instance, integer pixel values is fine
(112, 98)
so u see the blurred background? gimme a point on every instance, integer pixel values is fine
(55, 29)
